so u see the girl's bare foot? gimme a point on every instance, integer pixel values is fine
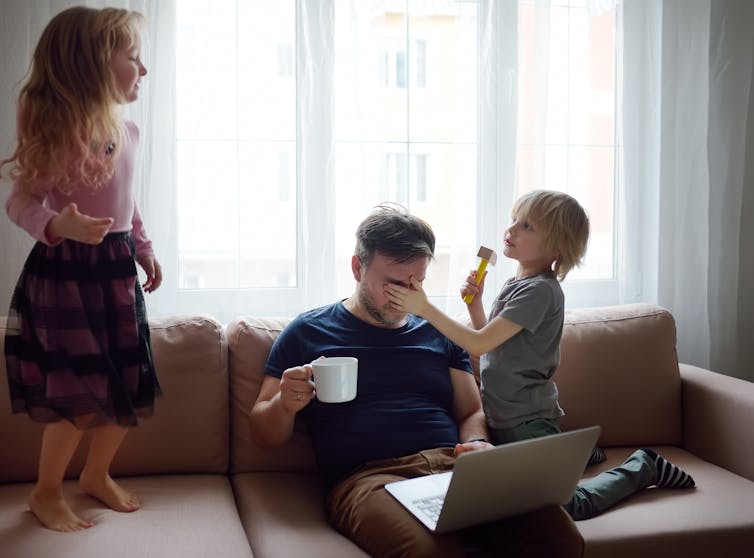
(109, 492)
(53, 511)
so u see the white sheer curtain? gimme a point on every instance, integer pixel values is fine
(687, 180)
(684, 172)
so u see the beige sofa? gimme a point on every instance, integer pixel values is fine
(208, 491)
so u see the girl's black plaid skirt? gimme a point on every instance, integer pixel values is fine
(77, 344)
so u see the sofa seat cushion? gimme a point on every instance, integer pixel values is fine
(191, 516)
(714, 519)
(283, 514)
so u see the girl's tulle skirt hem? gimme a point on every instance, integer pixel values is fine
(77, 343)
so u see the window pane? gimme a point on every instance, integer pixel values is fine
(266, 70)
(567, 137)
(405, 122)
(236, 92)
(208, 214)
(267, 214)
(206, 69)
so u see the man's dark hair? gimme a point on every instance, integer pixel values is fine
(393, 232)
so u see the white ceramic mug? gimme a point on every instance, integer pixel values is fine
(335, 378)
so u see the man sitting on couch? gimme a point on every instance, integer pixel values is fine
(417, 407)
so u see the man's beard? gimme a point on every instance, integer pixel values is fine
(377, 313)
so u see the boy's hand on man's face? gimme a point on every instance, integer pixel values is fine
(411, 299)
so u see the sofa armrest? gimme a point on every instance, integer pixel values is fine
(718, 412)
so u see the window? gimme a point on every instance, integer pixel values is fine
(296, 118)
(567, 141)
(236, 136)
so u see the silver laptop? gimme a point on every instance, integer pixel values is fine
(504, 481)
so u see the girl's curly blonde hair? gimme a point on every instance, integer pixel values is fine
(68, 115)
(564, 225)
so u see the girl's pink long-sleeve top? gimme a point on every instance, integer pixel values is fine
(114, 199)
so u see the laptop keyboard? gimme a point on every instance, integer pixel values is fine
(431, 505)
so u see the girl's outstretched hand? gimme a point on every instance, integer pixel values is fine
(71, 224)
(412, 300)
(153, 269)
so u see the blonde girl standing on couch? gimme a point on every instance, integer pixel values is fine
(77, 346)
(519, 344)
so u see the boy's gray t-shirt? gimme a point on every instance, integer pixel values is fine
(516, 377)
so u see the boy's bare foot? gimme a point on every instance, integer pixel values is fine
(109, 492)
(54, 513)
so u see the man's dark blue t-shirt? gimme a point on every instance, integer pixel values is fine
(404, 401)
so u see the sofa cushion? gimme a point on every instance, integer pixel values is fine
(249, 342)
(189, 430)
(283, 514)
(619, 369)
(714, 519)
(186, 516)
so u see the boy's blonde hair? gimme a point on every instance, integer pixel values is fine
(563, 223)
(68, 109)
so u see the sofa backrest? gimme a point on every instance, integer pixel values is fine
(189, 430)
(619, 368)
(249, 342)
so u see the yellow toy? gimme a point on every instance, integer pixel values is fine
(488, 256)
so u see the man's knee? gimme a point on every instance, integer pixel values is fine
(383, 528)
